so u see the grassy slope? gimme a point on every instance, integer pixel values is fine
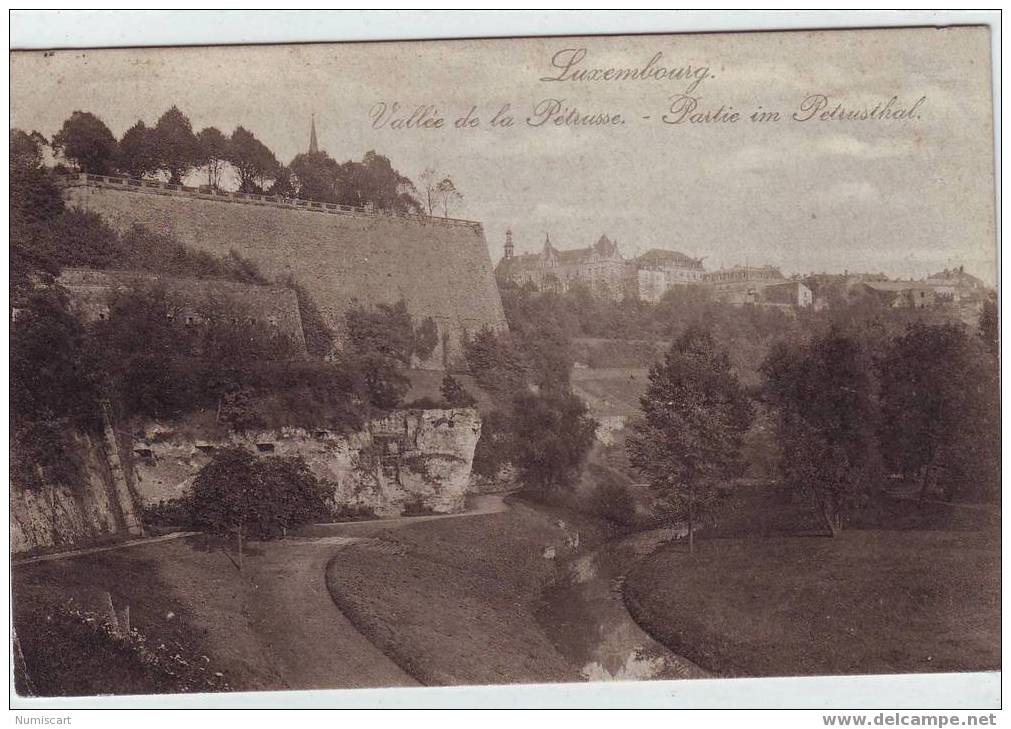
(756, 600)
(454, 601)
(192, 600)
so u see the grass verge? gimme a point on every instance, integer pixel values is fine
(454, 601)
(754, 600)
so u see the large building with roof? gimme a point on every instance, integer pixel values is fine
(600, 267)
(649, 276)
(657, 271)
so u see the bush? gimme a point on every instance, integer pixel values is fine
(426, 403)
(344, 512)
(454, 393)
(416, 507)
(613, 502)
(239, 493)
(171, 512)
(69, 652)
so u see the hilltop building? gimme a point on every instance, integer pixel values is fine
(902, 294)
(601, 267)
(743, 284)
(790, 294)
(657, 271)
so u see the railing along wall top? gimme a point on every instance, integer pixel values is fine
(210, 193)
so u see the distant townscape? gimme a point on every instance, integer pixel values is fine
(608, 274)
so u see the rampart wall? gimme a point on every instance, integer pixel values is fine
(439, 266)
(194, 300)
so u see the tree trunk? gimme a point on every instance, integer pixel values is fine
(830, 516)
(240, 548)
(691, 525)
(925, 481)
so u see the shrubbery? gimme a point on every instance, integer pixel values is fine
(613, 501)
(261, 498)
(69, 652)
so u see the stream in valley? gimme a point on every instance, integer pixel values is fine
(587, 621)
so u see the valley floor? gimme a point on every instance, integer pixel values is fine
(517, 592)
(911, 589)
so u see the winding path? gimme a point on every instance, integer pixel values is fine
(314, 645)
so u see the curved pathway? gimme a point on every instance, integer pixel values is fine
(314, 645)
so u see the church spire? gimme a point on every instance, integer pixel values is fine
(313, 146)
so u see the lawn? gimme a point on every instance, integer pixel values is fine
(180, 595)
(454, 601)
(756, 600)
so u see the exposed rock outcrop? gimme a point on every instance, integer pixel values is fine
(420, 458)
(95, 508)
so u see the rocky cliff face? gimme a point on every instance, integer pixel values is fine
(63, 515)
(417, 457)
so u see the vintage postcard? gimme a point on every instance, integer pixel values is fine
(503, 361)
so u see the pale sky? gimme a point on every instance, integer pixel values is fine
(906, 197)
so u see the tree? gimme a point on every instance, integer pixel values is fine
(823, 395)
(939, 403)
(137, 151)
(26, 149)
(695, 415)
(454, 393)
(252, 160)
(386, 329)
(213, 146)
(989, 325)
(379, 341)
(85, 140)
(250, 497)
(175, 146)
(429, 180)
(438, 191)
(549, 434)
(375, 181)
(496, 362)
(447, 194)
(284, 184)
(53, 374)
(34, 197)
(316, 177)
(426, 338)
(55, 386)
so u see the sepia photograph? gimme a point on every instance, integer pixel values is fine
(503, 361)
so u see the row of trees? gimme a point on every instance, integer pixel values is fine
(172, 148)
(849, 407)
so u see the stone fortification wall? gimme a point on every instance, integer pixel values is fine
(276, 307)
(410, 456)
(441, 267)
